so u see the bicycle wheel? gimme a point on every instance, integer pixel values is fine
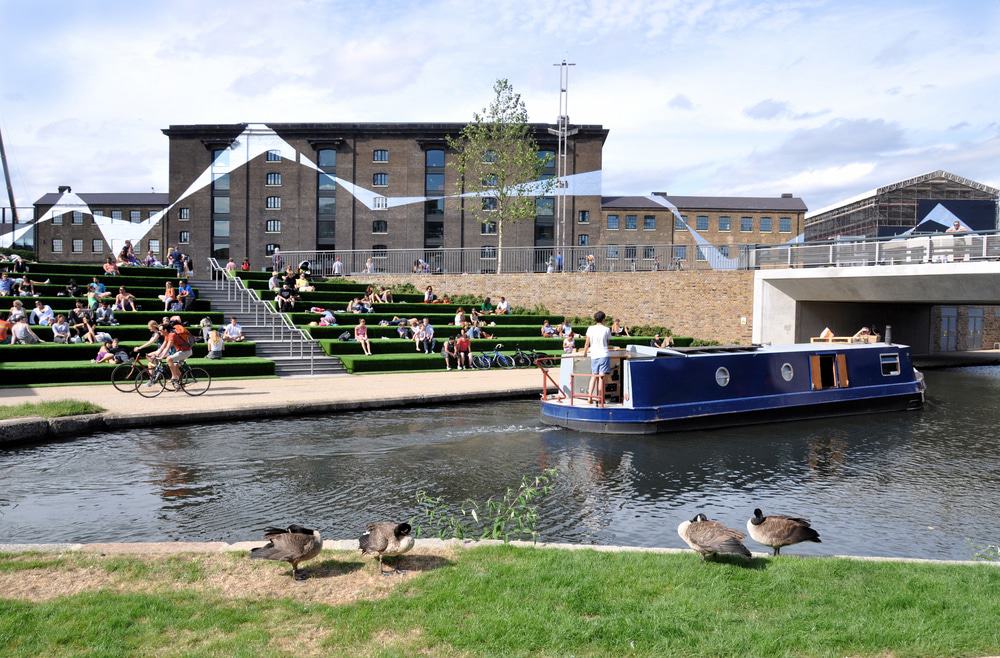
(195, 381)
(522, 360)
(149, 386)
(481, 361)
(505, 361)
(124, 376)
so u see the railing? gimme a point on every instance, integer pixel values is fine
(265, 315)
(546, 363)
(932, 248)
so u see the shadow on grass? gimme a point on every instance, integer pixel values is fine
(756, 563)
(331, 568)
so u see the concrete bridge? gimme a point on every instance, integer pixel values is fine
(931, 306)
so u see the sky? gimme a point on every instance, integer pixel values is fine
(821, 99)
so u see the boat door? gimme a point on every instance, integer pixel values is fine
(829, 371)
(949, 329)
(975, 337)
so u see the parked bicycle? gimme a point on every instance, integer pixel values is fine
(494, 358)
(193, 381)
(525, 359)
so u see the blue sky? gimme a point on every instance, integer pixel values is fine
(822, 99)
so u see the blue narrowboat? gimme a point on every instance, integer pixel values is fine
(659, 390)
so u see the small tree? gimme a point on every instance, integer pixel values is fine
(498, 164)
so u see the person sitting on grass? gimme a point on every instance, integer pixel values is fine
(233, 332)
(60, 329)
(326, 317)
(427, 337)
(23, 334)
(569, 343)
(274, 283)
(503, 307)
(5, 327)
(385, 295)
(72, 289)
(303, 284)
(17, 311)
(107, 352)
(245, 266)
(185, 294)
(450, 353)
(169, 295)
(6, 285)
(151, 260)
(81, 323)
(124, 300)
(105, 315)
(459, 317)
(402, 327)
(417, 332)
(361, 335)
(548, 331)
(486, 308)
(661, 343)
(429, 295)
(215, 345)
(619, 329)
(26, 287)
(111, 267)
(285, 300)
(463, 348)
(41, 315)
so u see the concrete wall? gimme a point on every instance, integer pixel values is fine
(911, 323)
(705, 304)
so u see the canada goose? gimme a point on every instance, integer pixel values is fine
(386, 539)
(293, 545)
(777, 530)
(712, 538)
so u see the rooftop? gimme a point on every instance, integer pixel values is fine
(753, 203)
(112, 199)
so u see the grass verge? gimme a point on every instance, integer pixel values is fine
(496, 601)
(54, 409)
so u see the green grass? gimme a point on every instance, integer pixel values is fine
(54, 409)
(506, 601)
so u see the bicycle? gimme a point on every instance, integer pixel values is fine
(494, 358)
(125, 375)
(525, 359)
(193, 381)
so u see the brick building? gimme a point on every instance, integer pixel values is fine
(75, 237)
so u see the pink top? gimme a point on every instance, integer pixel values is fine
(361, 331)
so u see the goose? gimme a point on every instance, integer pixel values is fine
(293, 544)
(385, 539)
(712, 538)
(777, 530)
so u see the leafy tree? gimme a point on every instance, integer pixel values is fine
(498, 164)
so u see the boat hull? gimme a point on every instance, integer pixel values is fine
(617, 421)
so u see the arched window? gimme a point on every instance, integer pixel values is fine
(380, 226)
(434, 158)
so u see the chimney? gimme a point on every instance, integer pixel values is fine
(786, 195)
(63, 189)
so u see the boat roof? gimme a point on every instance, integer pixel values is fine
(757, 349)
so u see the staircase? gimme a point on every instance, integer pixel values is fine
(291, 357)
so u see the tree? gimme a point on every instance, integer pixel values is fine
(498, 164)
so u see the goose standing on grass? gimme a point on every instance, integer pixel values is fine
(712, 538)
(385, 540)
(293, 544)
(777, 530)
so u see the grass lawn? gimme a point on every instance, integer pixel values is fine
(494, 601)
(50, 409)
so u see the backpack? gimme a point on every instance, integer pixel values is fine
(346, 336)
(182, 339)
(121, 356)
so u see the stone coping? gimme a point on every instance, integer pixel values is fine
(178, 547)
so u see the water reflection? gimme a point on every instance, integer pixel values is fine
(915, 483)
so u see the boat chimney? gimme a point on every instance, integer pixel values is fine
(888, 334)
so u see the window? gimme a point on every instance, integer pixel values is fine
(380, 203)
(97, 245)
(725, 223)
(327, 158)
(746, 224)
(680, 252)
(630, 252)
(135, 216)
(829, 371)
(154, 246)
(584, 217)
(766, 225)
(545, 206)
(488, 228)
(699, 254)
(434, 184)
(701, 222)
(649, 223)
(273, 155)
(489, 204)
(77, 246)
(380, 226)
(722, 377)
(785, 225)
(273, 203)
(326, 206)
(57, 220)
(787, 372)
(381, 179)
(489, 156)
(648, 253)
(487, 251)
(57, 246)
(273, 178)
(326, 182)
(583, 239)
(270, 248)
(890, 364)
(77, 218)
(680, 222)
(272, 226)
(220, 205)
(380, 155)
(631, 222)
(116, 214)
(613, 222)
(434, 158)
(184, 237)
(490, 181)
(380, 251)
(724, 250)
(151, 214)
(183, 214)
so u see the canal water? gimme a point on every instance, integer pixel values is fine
(920, 484)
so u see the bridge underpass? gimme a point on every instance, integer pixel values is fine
(933, 307)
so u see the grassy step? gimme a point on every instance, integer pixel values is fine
(53, 289)
(84, 372)
(87, 269)
(377, 331)
(132, 332)
(64, 304)
(85, 351)
(435, 318)
(359, 363)
(406, 347)
(335, 287)
(109, 281)
(188, 317)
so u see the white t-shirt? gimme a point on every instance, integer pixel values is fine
(598, 335)
(338, 267)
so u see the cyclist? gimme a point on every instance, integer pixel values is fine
(180, 340)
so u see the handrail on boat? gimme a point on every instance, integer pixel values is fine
(544, 364)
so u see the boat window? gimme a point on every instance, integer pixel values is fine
(722, 377)
(787, 372)
(890, 364)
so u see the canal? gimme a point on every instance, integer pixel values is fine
(921, 484)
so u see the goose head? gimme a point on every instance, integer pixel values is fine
(699, 518)
(758, 517)
(402, 530)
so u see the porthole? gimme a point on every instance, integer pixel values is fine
(787, 372)
(722, 377)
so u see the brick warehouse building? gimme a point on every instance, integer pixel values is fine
(276, 202)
